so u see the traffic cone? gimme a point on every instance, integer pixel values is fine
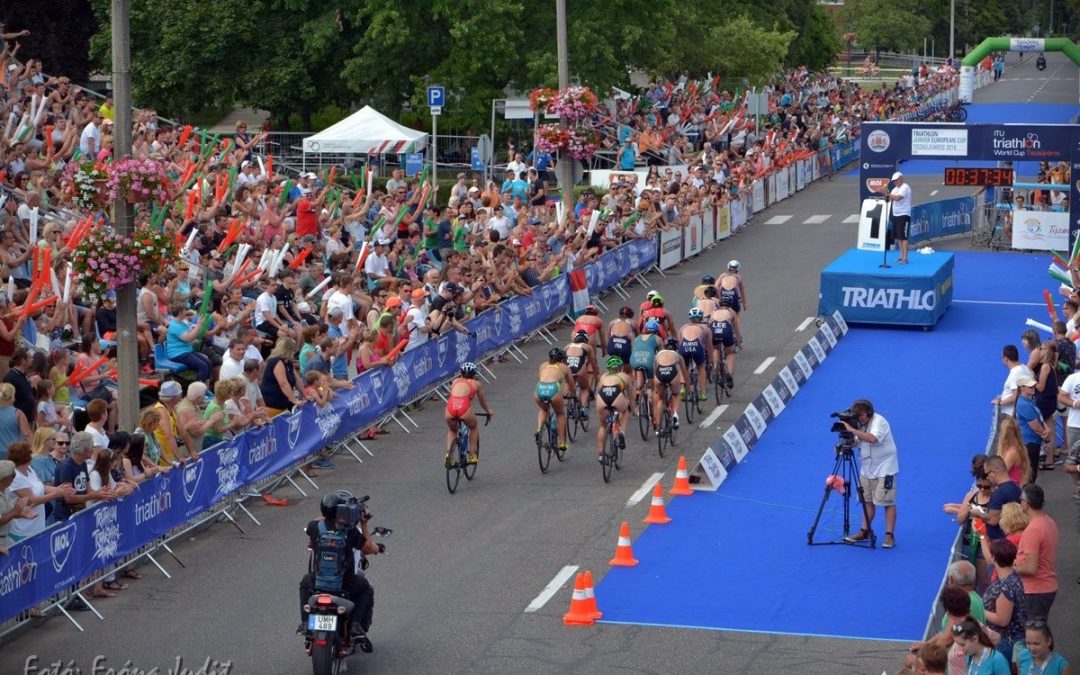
(657, 514)
(579, 613)
(590, 597)
(624, 555)
(682, 480)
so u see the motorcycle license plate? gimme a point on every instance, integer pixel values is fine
(326, 622)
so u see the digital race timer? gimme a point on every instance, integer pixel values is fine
(995, 177)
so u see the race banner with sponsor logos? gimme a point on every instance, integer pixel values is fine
(942, 218)
(1040, 230)
(57, 559)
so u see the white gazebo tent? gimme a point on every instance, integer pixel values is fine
(366, 131)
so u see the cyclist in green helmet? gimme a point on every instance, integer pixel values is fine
(611, 395)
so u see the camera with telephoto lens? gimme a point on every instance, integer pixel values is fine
(846, 437)
(353, 511)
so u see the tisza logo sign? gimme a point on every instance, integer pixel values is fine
(878, 141)
(888, 298)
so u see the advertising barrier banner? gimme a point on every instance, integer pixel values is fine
(723, 222)
(1040, 231)
(60, 557)
(781, 184)
(943, 218)
(758, 192)
(670, 248)
(800, 175)
(770, 196)
(692, 237)
(738, 215)
(708, 227)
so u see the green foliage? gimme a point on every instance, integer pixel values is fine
(742, 49)
(891, 25)
(60, 33)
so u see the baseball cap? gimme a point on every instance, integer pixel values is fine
(335, 311)
(393, 302)
(452, 288)
(245, 164)
(82, 442)
(1026, 381)
(170, 389)
(309, 175)
(110, 295)
(382, 242)
(7, 468)
(897, 175)
(419, 293)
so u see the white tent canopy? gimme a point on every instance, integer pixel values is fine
(366, 131)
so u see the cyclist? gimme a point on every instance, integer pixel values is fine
(459, 409)
(610, 396)
(647, 305)
(643, 350)
(620, 335)
(707, 302)
(554, 382)
(591, 323)
(693, 338)
(721, 324)
(581, 359)
(699, 290)
(730, 286)
(657, 311)
(670, 373)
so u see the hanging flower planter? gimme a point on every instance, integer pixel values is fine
(138, 181)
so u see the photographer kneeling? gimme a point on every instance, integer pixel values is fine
(878, 466)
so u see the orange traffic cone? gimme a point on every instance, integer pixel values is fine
(682, 480)
(590, 597)
(624, 555)
(657, 514)
(579, 614)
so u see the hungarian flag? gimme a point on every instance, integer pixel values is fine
(579, 289)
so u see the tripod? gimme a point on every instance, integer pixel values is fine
(847, 468)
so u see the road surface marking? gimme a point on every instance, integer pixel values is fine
(802, 326)
(933, 193)
(816, 220)
(764, 365)
(713, 416)
(552, 588)
(853, 218)
(645, 489)
(777, 220)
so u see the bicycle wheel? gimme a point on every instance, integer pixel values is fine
(470, 469)
(572, 419)
(553, 437)
(607, 460)
(662, 431)
(691, 397)
(583, 417)
(453, 475)
(644, 415)
(718, 383)
(618, 458)
(543, 451)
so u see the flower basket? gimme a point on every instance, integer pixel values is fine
(574, 104)
(540, 99)
(551, 137)
(155, 249)
(84, 185)
(104, 261)
(582, 143)
(138, 180)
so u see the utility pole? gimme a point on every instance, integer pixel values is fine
(127, 357)
(952, 28)
(566, 164)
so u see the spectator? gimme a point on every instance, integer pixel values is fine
(131, 462)
(74, 472)
(48, 413)
(183, 332)
(278, 385)
(1036, 555)
(97, 411)
(1004, 599)
(1005, 491)
(933, 659)
(171, 437)
(1037, 654)
(222, 425)
(13, 424)
(1033, 431)
(18, 376)
(189, 415)
(149, 424)
(232, 363)
(29, 486)
(1010, 356)
(1011, 448)
(980, 657)
(93, 384)
(50, 449)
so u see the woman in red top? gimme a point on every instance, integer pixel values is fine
(459, 408)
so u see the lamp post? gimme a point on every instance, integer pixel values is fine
(566, 165)
(952, 28)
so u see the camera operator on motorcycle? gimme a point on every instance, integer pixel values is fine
(333, 539)
(1040, 62)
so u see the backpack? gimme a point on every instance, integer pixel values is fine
(332, 558)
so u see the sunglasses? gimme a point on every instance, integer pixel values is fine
(1035, 623)
(62, 442)
(959, 629)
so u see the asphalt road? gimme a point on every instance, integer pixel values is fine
(460, 570)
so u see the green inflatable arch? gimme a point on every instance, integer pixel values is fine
(1004, 44)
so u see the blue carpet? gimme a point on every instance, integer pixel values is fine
(994, 113)
(738, 559)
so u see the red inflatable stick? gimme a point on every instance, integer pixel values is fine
(1050, 305)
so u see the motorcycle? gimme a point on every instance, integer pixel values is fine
(329, 639)
(1040, 63)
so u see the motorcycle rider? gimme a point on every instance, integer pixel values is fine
(1040, 62)
(333, 540)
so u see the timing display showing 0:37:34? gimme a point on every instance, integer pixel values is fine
(995, 177)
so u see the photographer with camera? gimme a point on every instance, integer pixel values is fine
(333, 539)
(878, 466)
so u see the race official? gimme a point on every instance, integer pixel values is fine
(878, 466)
(900, 196)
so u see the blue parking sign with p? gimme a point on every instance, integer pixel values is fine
(436, 96)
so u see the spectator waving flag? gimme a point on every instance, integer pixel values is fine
(579, 288)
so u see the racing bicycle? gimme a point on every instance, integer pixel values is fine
(459, 464)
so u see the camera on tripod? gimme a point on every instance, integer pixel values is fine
(851, 417)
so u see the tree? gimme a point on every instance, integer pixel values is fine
(743, 49)
(60, 33)
(891, 25)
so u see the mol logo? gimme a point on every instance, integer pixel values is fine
(192, 474)
(876, 184)
(878, 140)
(888, 298)
(61, 544)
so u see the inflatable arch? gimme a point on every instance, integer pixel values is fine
(1004, 44)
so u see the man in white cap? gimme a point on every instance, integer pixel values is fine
(377, 266)
(900, 196)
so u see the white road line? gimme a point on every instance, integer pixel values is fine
(777, 220)
(853, 218)
(1002, 302)
(764, 365)
(713, 416)
(802, 326)
(552, 588)
(934, 193)
(645, 489)
(816, 219)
